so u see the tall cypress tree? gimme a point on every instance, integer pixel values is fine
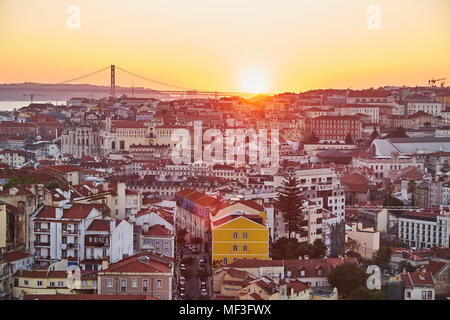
(289, 202)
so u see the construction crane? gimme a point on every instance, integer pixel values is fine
(432, 82)
(31, 95)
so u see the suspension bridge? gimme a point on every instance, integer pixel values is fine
(114, 91)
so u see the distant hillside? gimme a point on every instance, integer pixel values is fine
(49, 92)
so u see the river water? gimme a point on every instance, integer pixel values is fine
(10, 105)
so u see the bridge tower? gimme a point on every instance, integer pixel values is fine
(113, 81)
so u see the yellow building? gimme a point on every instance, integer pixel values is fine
(40, 282)
(243, 207)
(239, 237)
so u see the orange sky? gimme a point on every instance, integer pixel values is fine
(211, 44)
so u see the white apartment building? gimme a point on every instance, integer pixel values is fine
(110, 239)
(372, 111)
(63, 233)
(382, 166)
(430, 107)
(13, 158)
(320, 184)
(58, 233)
(425, 229)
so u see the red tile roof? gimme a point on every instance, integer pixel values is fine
(99, 225)
(46, 212)
(434, 267)
(138, 263)
(77, 211)
(158, 230)
(297, 286)
(128, 124)
(16, 255)
(356, 182)
(417, 278)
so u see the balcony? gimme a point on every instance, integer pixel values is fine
(41, 244)
(96, 244)
(40, 230)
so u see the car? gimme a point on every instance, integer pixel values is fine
(204, 292)
(182, 294)
(182, 282)
(182, 267)
(202, 260)
(203, 285)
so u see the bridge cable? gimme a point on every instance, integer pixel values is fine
(151, 80)
(84, 76)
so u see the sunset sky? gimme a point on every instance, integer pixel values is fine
(286, 45)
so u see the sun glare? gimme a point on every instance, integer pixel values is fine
(254, 81)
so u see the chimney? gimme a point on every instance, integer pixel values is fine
(105, 264)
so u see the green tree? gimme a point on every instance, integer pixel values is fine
(391, 201)
(284, 248)
(363, 293)
(382, 256)
(347, 277)
(318, 249)
(397, 133)
(349, 139)
(289, 202)
(304, 248)
(188, 261)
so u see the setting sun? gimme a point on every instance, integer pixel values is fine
(254, 81)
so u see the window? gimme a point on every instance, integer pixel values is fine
(424, 295)
(60, 283)
(39, 283)
(25, 282)
(235, 235)
(109, 283)
(84, 283)
(166, 245)
(52, 284)
(157, 245)
(158, 283)
(430, 295)
(123, 285)
(245, 235)
(244, 247)
(302, 273)
(134, 283)
(225, 261)
(144, 285)
(235, 248)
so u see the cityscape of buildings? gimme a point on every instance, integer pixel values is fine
(94, 206)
